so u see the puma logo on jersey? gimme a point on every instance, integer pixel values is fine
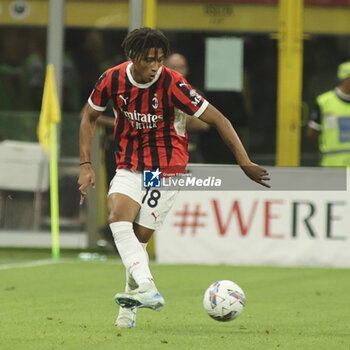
(182, 84)
(155, 216)
(124, 99)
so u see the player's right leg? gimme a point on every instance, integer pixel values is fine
(126, 316)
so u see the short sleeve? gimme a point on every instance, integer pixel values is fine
(99, 96)
(187, 99)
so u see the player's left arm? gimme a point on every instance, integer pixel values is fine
(195, 124)
(228, 134)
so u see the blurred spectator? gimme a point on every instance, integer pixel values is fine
(33, 72)
(195, 127)
(11, 49)
(90, 61)
(329, 124)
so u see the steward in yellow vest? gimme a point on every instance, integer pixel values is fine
(329, 124)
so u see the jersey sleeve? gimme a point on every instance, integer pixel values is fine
(187, 99)
(100, 94)
(315, 118)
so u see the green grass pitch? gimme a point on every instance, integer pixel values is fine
(69, 305)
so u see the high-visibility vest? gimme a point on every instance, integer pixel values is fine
(334, 140)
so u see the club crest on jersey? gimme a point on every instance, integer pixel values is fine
(155, 102)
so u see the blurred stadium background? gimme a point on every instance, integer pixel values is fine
(290, 53)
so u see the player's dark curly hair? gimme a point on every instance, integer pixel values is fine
(138, 42)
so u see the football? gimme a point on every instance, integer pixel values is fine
(224, 300)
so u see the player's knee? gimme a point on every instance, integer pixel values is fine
(142, 233)
(115, 217)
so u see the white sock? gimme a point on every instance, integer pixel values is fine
(144, 246)
(130, 282)
(131, 252)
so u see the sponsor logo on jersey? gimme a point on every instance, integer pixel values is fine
(141, 120)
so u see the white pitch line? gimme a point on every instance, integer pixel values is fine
(51, 261)
(29, 264)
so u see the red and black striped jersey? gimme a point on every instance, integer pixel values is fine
(150, 118)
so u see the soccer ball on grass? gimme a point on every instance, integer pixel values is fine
(224, 300)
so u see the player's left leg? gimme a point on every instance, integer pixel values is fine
(146, 295)
(154, 208)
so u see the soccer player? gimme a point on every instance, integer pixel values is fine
(149, 134)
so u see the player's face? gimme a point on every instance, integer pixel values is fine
(144, 69)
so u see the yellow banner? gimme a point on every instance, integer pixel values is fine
(211, 16)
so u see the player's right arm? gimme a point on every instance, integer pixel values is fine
(86, 135)
(96, 105)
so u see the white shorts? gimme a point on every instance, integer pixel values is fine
(155, 202)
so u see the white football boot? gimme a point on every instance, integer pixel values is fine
(146, 296)
(126, 316)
